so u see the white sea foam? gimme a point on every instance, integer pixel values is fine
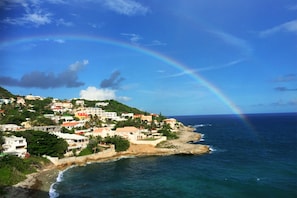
(52, 191)
(216, 150)
(212, 149)
(202, 138)
(201, 125)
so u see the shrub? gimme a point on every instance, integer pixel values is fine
(120, 143)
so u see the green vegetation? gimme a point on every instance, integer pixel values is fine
(34, 110)
(120, 143)
(41, 106)
(12, 114)
(85, 151)
(5, 93)
(1, 141)
(131, 122)
(13, 169)
(65, 130)
(42, 143)
(166, 131)
(94, 121)
(120, 108)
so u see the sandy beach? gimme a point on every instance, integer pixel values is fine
(38, 184)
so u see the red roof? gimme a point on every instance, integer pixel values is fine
(69, 124)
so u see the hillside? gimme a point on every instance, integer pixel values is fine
(113, 105)
(5, 93)
(118, 107)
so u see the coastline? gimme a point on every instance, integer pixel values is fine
(38, 184)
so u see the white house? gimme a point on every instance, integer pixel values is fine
(31, 97)
(101, 104)
(130, 132)
(4, 101)
(9, 127)
(74, 141)
(130, 115)
(80, 103)
(15, 146)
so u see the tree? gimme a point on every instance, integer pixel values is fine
(1, 141)
(166, 131)
(42, 121)
(42, 143)
(119, 142)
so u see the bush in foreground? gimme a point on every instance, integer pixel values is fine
(120, 143)
(14, 169)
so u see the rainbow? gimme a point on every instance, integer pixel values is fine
(102, 40)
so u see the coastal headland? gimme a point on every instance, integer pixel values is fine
(38, 184)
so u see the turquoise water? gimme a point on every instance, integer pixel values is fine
(257, 161)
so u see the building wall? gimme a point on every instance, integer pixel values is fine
(15, 146)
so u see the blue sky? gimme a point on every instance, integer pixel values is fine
(170, 56)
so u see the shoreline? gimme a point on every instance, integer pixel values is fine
(38, 184)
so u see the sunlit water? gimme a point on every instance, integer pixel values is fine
(256, 160)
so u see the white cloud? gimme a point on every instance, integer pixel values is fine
(290, 26)
(134, 38)
(233, 41)
(37, 18)
(78, 65)
(156, 43)
(32, 15)
(209, 68)
(59, 41)
(126, 7)
(92, 93)
(64, 23)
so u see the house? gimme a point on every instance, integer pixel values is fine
(31, 97)
(49, 128)
(142, 117)
(82, 115)
(4, 101)
(66, 118)
(103, 132)
(21, 101)
(72, 124)
(74, 141)
(80, 103)
(171, 121)
(111, 116)
(129, 132)
(15, 146)
(61, 106)
(127, 115)
(101, 104)
(9, 127)
(26, 124)
(147, 118)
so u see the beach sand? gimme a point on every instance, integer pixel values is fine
(37, 185)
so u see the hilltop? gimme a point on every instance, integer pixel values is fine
(5, 93)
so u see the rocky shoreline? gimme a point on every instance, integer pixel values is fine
(38, 184)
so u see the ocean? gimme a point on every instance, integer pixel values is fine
(254, 157)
